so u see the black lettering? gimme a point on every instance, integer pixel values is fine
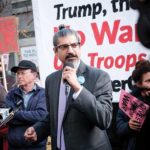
(114, 5)
(64, 12)
(85, 10)
(58, 10)
(97, 8)
(120, 5)
(73, 13)
(116, 85)
(79, 11)
(125, 102)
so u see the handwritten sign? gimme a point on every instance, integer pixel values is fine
(8, 35)
(133, 107)
(29, 53)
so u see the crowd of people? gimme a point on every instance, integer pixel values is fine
(71, 109)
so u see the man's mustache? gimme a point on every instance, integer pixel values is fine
(70, 56)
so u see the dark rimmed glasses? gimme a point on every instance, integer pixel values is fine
(64, 47)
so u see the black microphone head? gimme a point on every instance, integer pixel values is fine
(69, 64)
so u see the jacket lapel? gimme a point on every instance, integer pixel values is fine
(56, 89)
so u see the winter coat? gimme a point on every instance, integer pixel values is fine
(133, 140)
(36, 110)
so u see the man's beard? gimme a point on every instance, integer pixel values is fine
(74, 61)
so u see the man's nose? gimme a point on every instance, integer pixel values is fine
(70, 49)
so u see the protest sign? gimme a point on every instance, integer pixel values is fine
(9, 34)
(133, 107)
(108, 37)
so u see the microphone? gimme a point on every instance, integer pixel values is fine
(67, 86)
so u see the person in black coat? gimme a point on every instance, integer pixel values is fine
(134, 136)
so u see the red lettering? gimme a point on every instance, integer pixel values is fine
(141, 56)
(120, 60)
(108, 63)
(92, 55)
(131, 61)
(82, 36)
(126, 36)
(99, 36)
(99, 61)
(136, 35)
(111, 33)
(56, 66)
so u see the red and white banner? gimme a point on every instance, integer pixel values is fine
(108, 36)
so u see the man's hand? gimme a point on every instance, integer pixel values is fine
(134, 125)
(30, 134)
(69, 74)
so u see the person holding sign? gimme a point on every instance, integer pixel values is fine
(79, 99)
(133, 135)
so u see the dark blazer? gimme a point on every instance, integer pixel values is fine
(87, 117)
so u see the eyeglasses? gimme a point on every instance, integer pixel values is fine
(64, 47)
